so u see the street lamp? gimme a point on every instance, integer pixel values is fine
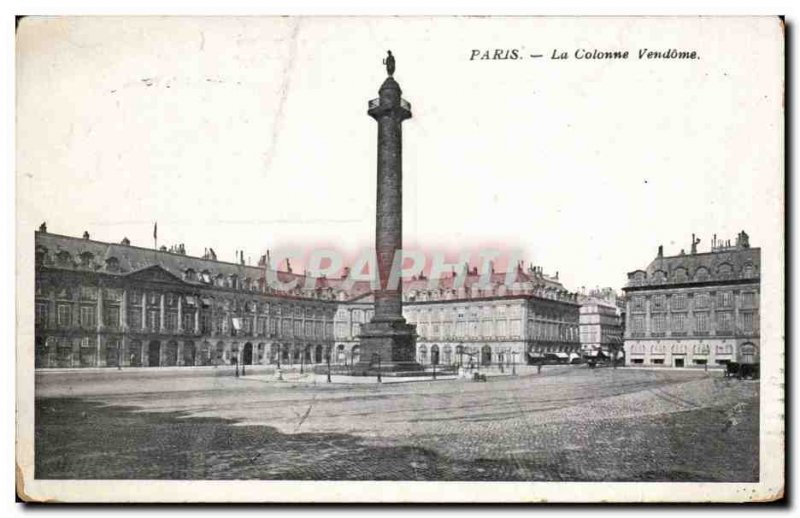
(302, 360)
(328, 359)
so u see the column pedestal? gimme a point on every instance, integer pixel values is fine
(394, 342)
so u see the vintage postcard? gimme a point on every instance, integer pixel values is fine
(400, 259)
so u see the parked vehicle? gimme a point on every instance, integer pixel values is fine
(742, 370)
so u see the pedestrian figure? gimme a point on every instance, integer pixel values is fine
(538, 368)
(236, 365)
(132, 358)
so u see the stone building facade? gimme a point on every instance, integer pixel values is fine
(601, 326)
(102, 305)
(695, 309)
(106, 304)
(482, 326)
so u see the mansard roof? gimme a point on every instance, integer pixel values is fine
(80, 254)
(133, 258)
(723, 265)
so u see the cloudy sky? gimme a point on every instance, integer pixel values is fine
(252, 133)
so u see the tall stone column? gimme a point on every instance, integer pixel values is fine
(388, 339)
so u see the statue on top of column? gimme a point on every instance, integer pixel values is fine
(389, 62)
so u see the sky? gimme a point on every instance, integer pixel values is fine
(251, 134)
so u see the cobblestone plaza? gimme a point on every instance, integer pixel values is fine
(565, 423)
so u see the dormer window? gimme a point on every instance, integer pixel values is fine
(112, 264)
(41, 255)
(86, 259)
(189, 274)
(64, 258)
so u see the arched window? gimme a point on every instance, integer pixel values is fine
(748, 353)
(680, 274)
(486, 355)
(724, 270)
(435, 354)
(447, 355)
(423, 354)
(355, 354)
(701, 274)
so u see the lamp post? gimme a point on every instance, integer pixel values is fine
(302, 360)
(379, 369)
(328, 359)
(514, 363)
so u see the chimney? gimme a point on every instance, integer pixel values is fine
(85, 234)
(288, 266)
(43, 227)
(346, 272)
(660, 250)
(126, 241)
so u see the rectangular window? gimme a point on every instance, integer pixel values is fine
(702, 301)
(111, 317)
(41, 314)
(638, 324)
(637, 304)
(724, 322)
(135, 319)
(700, 362)
(701, 322)
(153, 320)
(678, 302)
(188, 321)
(679, 322)
(659, 302)
(658, 361)
(171, 321)
(88, 317)
(724, 299)
(659, 323)
(637, 361)
(205, 322)
(748, 300)
(748, 321)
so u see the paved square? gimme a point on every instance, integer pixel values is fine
(567, 423)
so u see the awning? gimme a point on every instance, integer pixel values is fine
(206, 302)
(535, 355)
(558, 355)
(191, 300)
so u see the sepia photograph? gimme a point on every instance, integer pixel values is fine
(399, 259)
